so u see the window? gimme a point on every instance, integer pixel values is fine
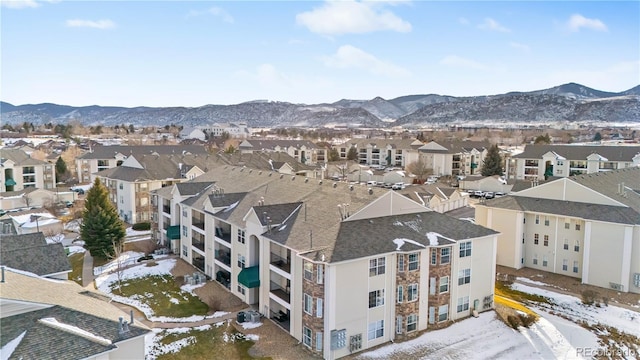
(444, 284)
(121, 199)
(306, 336)
(184, 230)
(241, 236)
(308, 303)
(463, 304)
(412, 292)
(577, 226)
(400, 294)
(413, 261)
(576, 247)
(319, 307)
(636, 279)
(185, 252)
(398, 324)
(376, 329)
(465, 249)
(434, 257)
(536, 239)
(566, 244)
(535, 259)
(443, 313)
(355, 342)
(565, 264)
(544, 260)
(241, 289)
(376, 266)
(464, 276)
(120, 186)
(546, 240)
(575, 266)
(184, 212)
(432, 314)
(412, 322)
(319, 341)
(400, 263)
(432, 286)
(320, 274)
(308, 271)
(241, 261)
(546, 221)
(445, 254)
(376, 298)
(537, 219)
(567, 225)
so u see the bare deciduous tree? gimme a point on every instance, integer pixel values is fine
(419, 169)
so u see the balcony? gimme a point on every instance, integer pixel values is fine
(197, 244)
(222, 235)
(281, 263)
(198, 260)
(577, 165)
(224, 256)
(199, 223)
(166, 209)
(531, 163)
(280, 292)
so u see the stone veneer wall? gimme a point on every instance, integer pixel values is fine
(315, 290)
(439, 299)
(404, 309)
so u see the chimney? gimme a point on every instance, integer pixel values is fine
(131, 314)
(2, 279)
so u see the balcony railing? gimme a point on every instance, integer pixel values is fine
(225, 236)
(198, 223)
(224, 257)
(280, 263)
(197, 244)
(280, 292)
(166, 209)
(531, 163)
(198, 262)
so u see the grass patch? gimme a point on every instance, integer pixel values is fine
(503, 289)
(514, 305)
(163, 295)
(76, 260)
(220, 342)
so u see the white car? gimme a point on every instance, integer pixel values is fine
(398, 186)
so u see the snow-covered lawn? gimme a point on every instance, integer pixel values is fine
(75, 249)
(130, 232)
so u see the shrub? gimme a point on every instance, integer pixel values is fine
(141, 226)
(589, 297)
(514, 321)
(527, 320)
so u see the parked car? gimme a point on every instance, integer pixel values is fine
(478, 193)
(398, 186)
(387, 185)
(68, 203)
(372, 183)
(489, 195)
(80, 191)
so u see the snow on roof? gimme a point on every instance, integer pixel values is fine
(11, 346)
(30, 274)
(52, 322)
(433, 238)
(400, 242)
(231, 207)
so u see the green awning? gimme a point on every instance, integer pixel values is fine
(10, 182)
(250, 277)
(173, 232)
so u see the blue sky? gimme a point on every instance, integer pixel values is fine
(180, 53)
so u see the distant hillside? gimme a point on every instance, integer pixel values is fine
(568, 102)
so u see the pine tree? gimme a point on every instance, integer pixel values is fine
(334, 155)
(61, 169)
(352, 154)
(101, 228)
(492, 162)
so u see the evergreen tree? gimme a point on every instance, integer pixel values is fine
(101, 228)
(597, 137)
(334, 155)
(492, 162)
(352, 154)
(61, 169)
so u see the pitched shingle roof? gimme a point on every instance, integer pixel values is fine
(109, 152)
(158, 167)
(580, 152)
(607, 183)
(30, 252)
(19, 157)
(272, 144)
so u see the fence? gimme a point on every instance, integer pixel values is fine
(113, 266)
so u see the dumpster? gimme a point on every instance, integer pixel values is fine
(240, 318)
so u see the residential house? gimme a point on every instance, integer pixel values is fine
(304, 151)
(341, 268)
(382, 152)
(543, 161)
(193, 133)
(235, 130)
(100, 158)
(585, 226)
(35, 221)
(436, 197)
(492, 183)
(45, 319)
(454, 158)
(20, 171)
(32, 253)
(129, 183)
(34, 197)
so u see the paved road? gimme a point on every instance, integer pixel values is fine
(87, 270)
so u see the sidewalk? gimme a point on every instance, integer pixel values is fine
(87, 270)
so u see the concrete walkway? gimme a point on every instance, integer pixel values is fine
(87, 270)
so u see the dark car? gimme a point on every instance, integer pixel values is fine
(79, 191)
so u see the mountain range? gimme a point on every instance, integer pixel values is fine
(565, 103)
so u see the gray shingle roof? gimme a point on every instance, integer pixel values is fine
(44, 342)
(226, 200)
(580, 152)
(455, 147)
(272, 144)
(158, 167)
(607, 182)
(192, 187)
(614, 214)
(30, 252)
(109, 152)
(19, 157)
(381, 143)
(369, 237)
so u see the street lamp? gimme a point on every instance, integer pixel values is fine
(37, 224)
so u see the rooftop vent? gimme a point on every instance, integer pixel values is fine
(320, 182)
(335, 185)
(370, 191)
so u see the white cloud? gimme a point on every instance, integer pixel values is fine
(520, 46)
(490, 24)
(19, 4)
(351, 17)
(99, 24)
(463, 21)
(457, 61)
(349, 56)
(215, 11)
(577, 21)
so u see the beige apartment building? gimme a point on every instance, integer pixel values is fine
(454, 158)
(538, 162)
(20, 171)
(585, 226)
(341, 268)
(304, 151)
(382, 152)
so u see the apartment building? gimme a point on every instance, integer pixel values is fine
(538, 162)
(382, 152)
(584, 226)
(235, 130)
(100, 158)
(304, 151)
(342, 268)
(454, 158)
(130, 183)
(20, 171)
